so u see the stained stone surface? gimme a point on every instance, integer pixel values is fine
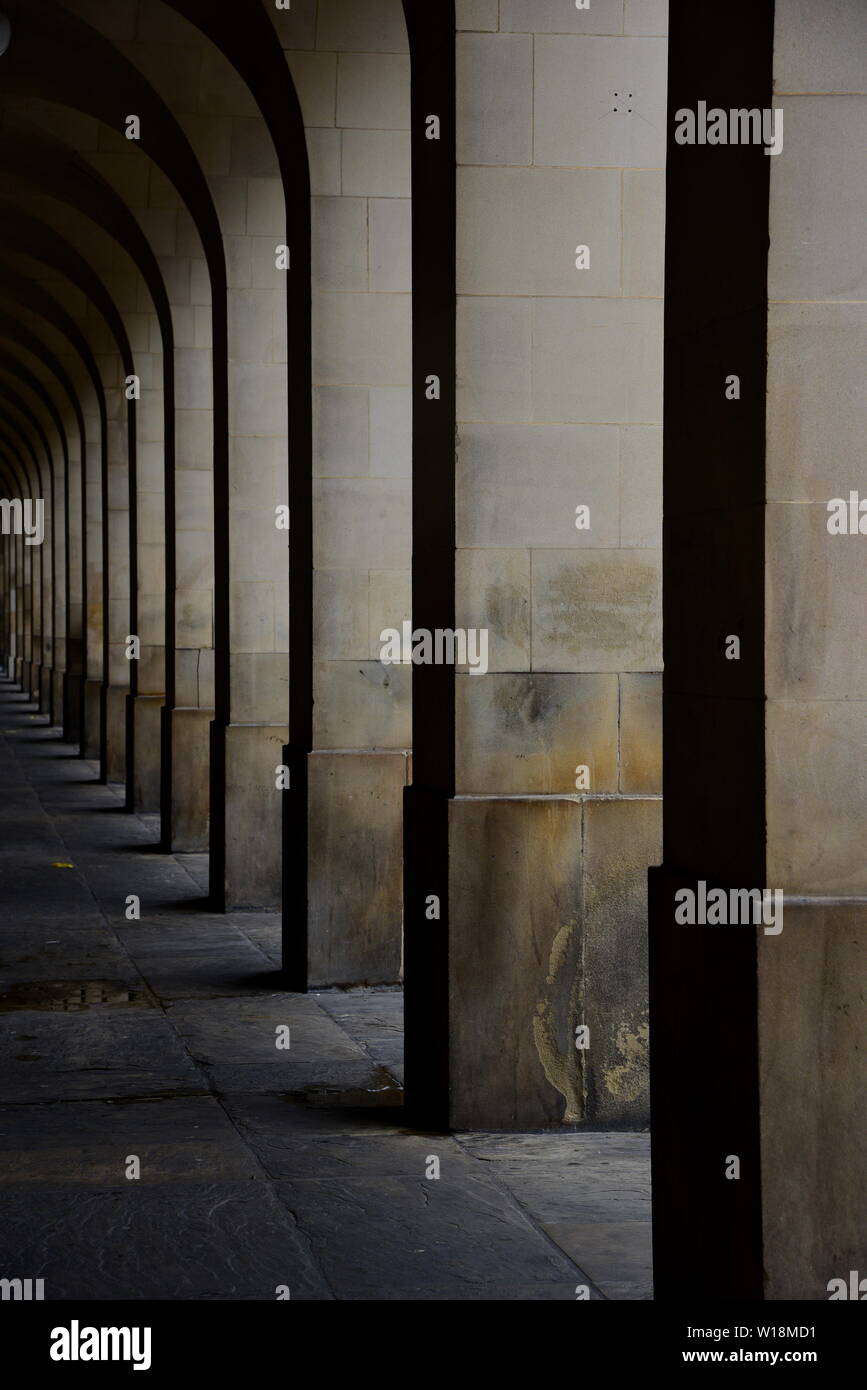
(259, 1166)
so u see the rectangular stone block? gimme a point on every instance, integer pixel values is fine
(641, 733)
(559, 17)
(492, 591)
(643, 233)
(494, 98)
(391, 432)
(190, 779)
(340, 431)
(362, 339)
(600, 102)
(390, 605)
(528, 734)
(816, 796)
(817, 411)
(622, 839)
(376, 163)
(115, 730)
(259, 686)
(641, 487)
(361, 705)
(494, 351)
(92, 715)
(598, 360)
(814, 605)
(340, 614)
(254, 845)
(477, 14)
(339, 251)
(373, 91)
(323, 152)
(514, 963)
(356, 868)
(519, 230)
(813, 1075)
(315, 79)
(817, 244)
(362, 523)
(520, 485)
(820, 48)
(645, 17)
(147, 716)
(597, 610)
(377, 26)
(390, 230)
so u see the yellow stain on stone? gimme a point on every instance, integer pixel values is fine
(628, 1080)
(58, 864)
(560, 1070)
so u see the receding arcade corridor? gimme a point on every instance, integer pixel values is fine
(259, 1167)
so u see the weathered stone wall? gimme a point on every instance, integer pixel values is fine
(561, 146)
(812, 999)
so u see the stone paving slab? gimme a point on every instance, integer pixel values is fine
(89, 1142)
(404, 1235)
(211, 1241)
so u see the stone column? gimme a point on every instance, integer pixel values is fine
(353, 80)
(556, 817)
(812, 1006)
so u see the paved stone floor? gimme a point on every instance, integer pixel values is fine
(260, 1167)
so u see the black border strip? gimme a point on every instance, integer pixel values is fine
(426, 801)
(703, 987)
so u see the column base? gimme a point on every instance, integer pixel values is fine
(92, 732)
(116, 698)
(355, 876)
(190, 793)
(548, 934)
(252, 875)
(145, 713)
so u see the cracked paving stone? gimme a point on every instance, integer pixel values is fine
(88, 1142)
(394, 1234)
(217, 1241)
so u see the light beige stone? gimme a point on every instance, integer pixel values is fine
(494, 98)
(373, 91)
(814, 587)
(816, 796)
(361, 705)
(813, 1072)
(641, 487)
(494, 338)
(643, 233)
(597, 360)
(527, 734)
(641, 733)
(514, 963)
(819, 200)
(600, 102)
(376, 163)
(560, 17)
(492, 591)
(521, 485)
(519, 230)
(597, 610)
(355, 889)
